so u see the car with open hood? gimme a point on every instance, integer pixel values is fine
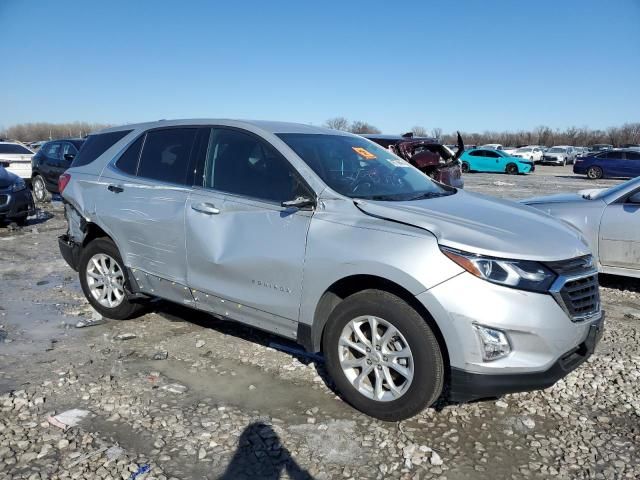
(609, 220)
(412, 290)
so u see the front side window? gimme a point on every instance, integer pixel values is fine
(358, 168)
(491, 154)
(633, 156)
(165, 155)
(477, 153)
(243, 164)
(68, 148)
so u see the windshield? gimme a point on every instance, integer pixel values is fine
(556, 150)
(613, 190)
(358, 168)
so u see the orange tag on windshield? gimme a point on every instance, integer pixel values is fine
(364, 153)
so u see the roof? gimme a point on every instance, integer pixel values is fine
(263, 125)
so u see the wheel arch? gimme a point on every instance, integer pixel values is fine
(310, 336)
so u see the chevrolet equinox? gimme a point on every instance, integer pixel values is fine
(412, 290)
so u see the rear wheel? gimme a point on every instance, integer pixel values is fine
(40, 191)
(594, 173)
(104, 282)
(465, 167)
(383, 356)
(512, 169)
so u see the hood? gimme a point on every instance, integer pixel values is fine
(564, 197)
(485, 225)
(7, 178)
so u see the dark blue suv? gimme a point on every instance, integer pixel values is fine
(611, 163)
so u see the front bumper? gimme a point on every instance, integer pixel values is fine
(16, 204)
(540, 334)
(467, 386)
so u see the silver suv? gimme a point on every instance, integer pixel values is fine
(412, 290)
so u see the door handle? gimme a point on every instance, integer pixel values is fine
(208, 208)
(115, 188)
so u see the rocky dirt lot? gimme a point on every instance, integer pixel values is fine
(180, 394)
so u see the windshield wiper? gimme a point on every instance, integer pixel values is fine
(429, 195)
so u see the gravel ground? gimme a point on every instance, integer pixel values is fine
(179, 394)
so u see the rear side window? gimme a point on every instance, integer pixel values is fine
(166, 153)
(128, 161)
(96, 145)
(476, 153)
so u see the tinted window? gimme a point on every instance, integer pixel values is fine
(68, 148)
(633, 155)
(476, 153)
(13, 148)
(613, 155)
(53, 151)
(491, 154)
(96, 145)
(128, 161)
(166, 154)
(243, 164)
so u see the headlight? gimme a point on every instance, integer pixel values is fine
(19, 185)
(521, 274)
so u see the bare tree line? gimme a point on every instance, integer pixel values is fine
(543, 135)
(31, 132)
(629, 133)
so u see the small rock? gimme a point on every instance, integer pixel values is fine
(435, 459)
(174, 388)
(200, 343)
(125, 336)
(501, 404)
(162, 355)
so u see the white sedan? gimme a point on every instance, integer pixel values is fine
(16, 158)
(530, 153)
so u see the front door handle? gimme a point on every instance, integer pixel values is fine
(115, 188)
(208, 208)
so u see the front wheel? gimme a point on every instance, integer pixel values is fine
(512, 169)
(383, 356)
(594, 173)
(104, 281)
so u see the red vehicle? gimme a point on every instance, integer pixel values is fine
(426, 154)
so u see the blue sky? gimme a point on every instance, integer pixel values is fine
(468, 65)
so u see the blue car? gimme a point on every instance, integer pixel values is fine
(490, 160)
(611, 163)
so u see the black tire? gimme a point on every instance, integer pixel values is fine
(126, 309)
(40, 192)
(465, 167)
(512, 169)
(427, 383)
(22, 221)
(594, 173)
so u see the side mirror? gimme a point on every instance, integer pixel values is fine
(299, 203)
(635, 198)
(69, 156)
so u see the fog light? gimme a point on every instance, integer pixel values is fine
(495, 343)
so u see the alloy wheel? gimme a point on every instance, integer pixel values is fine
(376, 358)
(105, 280)
(39, 189)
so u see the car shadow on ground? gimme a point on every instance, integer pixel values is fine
(260, 454)
(39, 217)
(619, 283)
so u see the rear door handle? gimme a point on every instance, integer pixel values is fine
(115, 188)
(208, 208)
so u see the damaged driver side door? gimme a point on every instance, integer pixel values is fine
(245, 251)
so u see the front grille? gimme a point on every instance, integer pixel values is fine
(581, 296)
(576, 288)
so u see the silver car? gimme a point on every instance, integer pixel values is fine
(412, 290)
(609, 219)
(560, 155)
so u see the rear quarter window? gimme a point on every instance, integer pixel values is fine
(96, 145)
